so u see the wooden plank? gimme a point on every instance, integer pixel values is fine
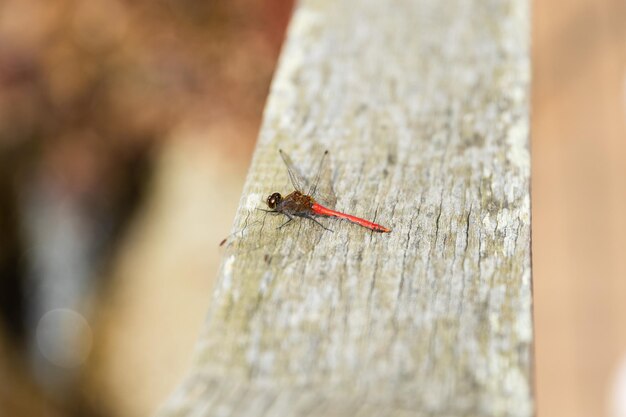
(424, 107)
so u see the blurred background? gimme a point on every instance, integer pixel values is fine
(579, 206)
(126, 130)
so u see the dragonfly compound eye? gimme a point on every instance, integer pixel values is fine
(273, 200)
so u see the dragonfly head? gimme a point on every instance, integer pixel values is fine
(273, 200)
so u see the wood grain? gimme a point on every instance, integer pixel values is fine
(424, 108)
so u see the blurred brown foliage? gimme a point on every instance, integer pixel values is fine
(87, 86)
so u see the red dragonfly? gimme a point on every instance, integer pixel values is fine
(300, 204)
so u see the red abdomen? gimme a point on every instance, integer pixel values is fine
(323, 211)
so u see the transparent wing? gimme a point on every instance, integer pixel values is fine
(320, 187)
(297, 180)
(318, 175)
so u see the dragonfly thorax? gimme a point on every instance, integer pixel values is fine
(295, 203)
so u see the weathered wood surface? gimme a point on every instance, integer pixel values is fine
(424, 107)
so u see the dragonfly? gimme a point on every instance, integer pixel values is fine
(301, 204)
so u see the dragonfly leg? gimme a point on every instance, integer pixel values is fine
(315, 220)
(267, 211)
(287, 222)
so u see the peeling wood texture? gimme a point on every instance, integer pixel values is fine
(424, 107)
